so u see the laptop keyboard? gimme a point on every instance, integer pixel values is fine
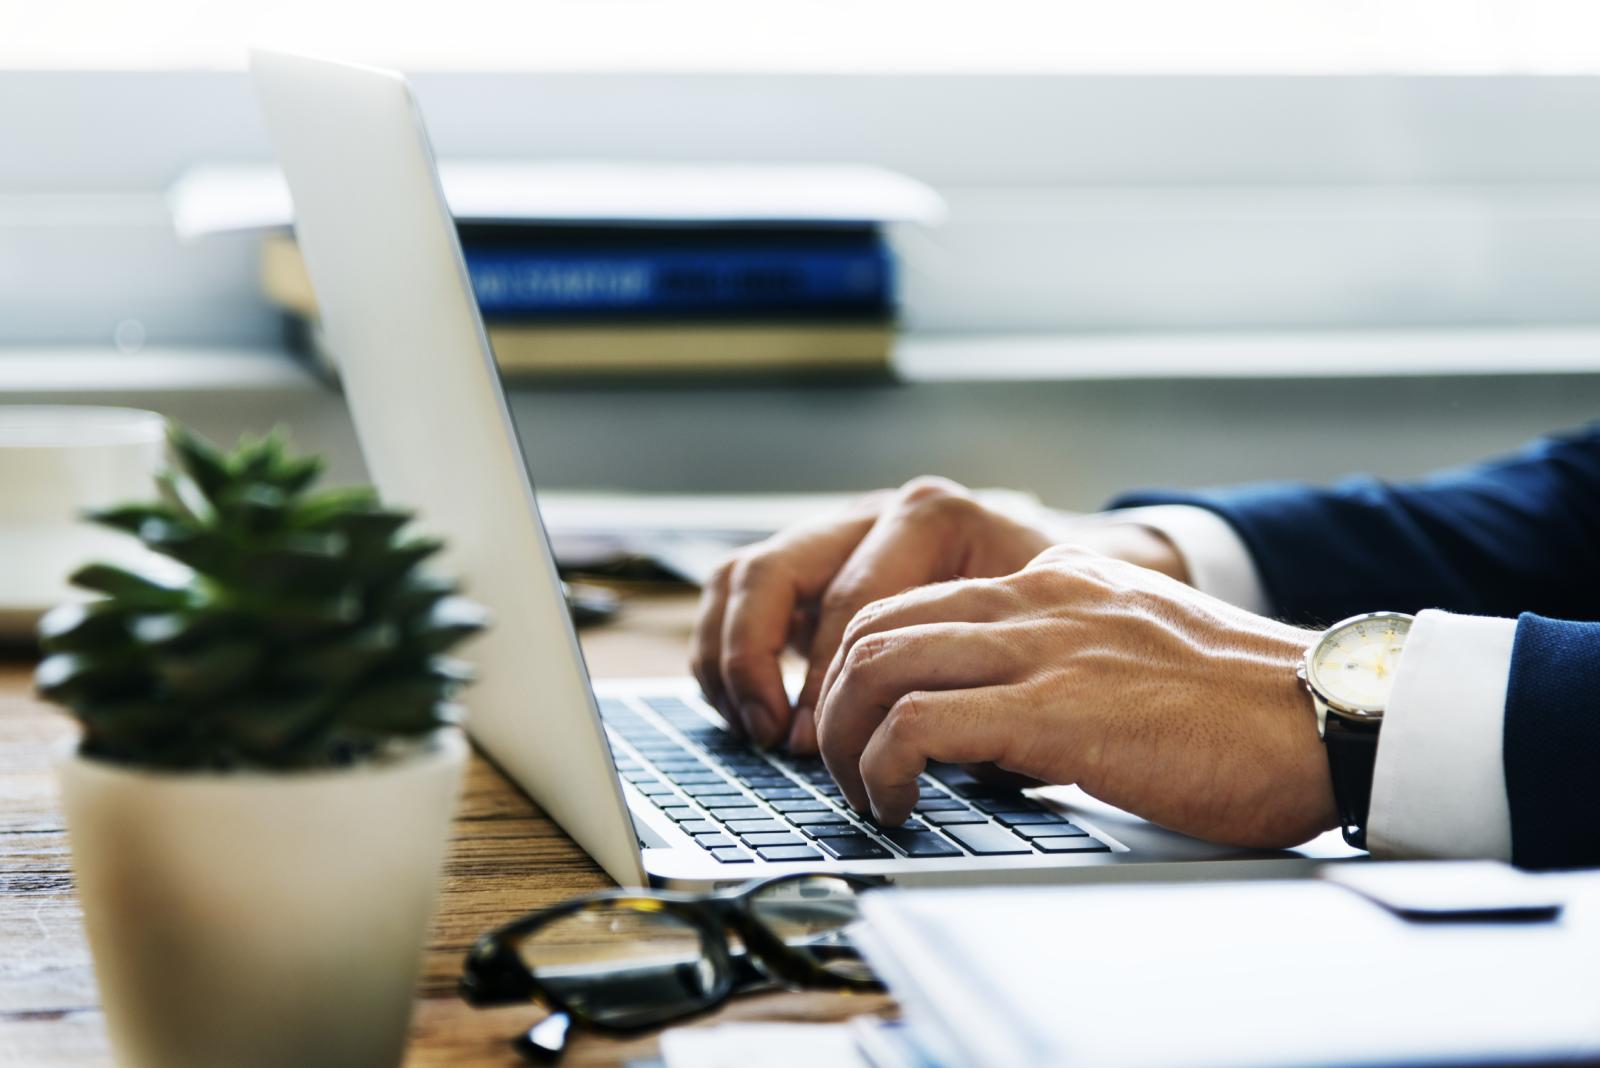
(741, 804)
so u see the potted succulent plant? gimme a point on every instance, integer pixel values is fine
(260, 800)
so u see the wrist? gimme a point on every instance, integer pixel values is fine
(1305, 781)
(1132, 543)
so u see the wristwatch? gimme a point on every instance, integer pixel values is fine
(1350, 671)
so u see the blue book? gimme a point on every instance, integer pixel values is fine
(579, 272)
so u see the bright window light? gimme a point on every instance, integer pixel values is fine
(869, 36)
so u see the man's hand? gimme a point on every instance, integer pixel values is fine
(800, 588)
(1082, 669)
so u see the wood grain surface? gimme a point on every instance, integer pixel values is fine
(506, 858)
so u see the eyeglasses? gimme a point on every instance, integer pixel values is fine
(625, 961)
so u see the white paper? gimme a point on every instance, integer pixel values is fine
(229, 199)
(1247, 974)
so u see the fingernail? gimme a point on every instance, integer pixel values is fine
(758, 722)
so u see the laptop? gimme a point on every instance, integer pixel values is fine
(641, 773)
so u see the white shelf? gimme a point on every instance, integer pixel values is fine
(1365, 354)
(68, 370)
(61, 371)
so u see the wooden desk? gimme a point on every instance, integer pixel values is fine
(506, 859)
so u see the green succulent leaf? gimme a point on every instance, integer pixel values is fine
(73, 677)
(132, 518)
(81, 628)
(201, 461)
(129, 588)
(449, 622)
(305, 635)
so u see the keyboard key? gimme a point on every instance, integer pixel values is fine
(1069, 845)
(679, 813)
(805, 819)
(723, 800)
(858, 847)
(698, 778)
(1018, 819)
(744, 827)
(679, 765)
(709, 788)
(960, 816)
(728, 813)
(1006, 803)
(731, 856)
(921, 843)
(653, 789)
(789, 853)
(781, 793)
(1049, 830)
(803, 805)
(698, 827)
(987, 840)
(939, 804)
(638, 776)
(713, 841)
(831, 830)
(784, 839)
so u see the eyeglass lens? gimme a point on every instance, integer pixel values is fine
(624, 963)
(810, 915)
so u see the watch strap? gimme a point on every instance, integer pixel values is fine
(1352, 754)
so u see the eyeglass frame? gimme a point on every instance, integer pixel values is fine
(494, 973)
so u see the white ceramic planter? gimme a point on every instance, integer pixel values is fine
(259, 919)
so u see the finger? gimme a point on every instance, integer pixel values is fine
(955, 726)
(881, 669)
(766, 588)
(762, 595)
(705, 658)
(970, 601)
(802, 739)
(905, 548)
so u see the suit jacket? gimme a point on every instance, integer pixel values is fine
(1519, 536)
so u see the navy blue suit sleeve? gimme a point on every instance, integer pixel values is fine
(1551, 747)
(1520, 534)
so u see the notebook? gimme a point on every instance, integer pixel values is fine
(1276, 973)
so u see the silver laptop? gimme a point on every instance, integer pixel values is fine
(640, 772)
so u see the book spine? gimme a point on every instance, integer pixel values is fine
(664, 282)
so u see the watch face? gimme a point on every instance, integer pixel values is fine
(1353, 665)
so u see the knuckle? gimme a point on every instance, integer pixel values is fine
(752, 566)
(907, 719)
(929, 487)
(866, 620)
(943, 510)
(721, 573)
(865, 652)
(1058, 579)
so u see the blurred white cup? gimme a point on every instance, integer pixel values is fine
(57, 461)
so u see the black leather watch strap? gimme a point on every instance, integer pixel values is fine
(1352, 753)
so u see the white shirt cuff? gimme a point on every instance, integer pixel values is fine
(1439, 786)
(1218, 562)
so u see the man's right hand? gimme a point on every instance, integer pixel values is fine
(800, 588)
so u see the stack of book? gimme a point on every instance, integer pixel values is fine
(638, 269)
